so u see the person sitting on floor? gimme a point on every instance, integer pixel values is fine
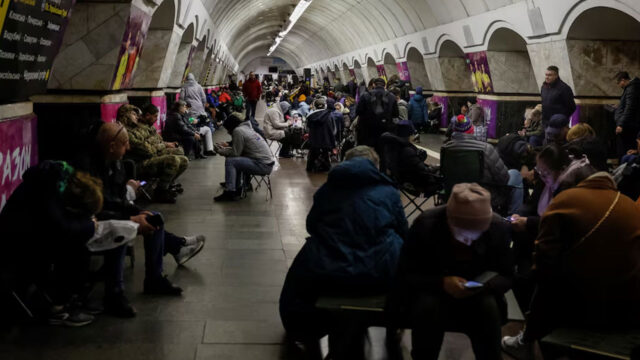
(495, 173)
(407, 161)
(152, 156)
(47, 222)
(586, 263)
(557, 129)
(454, 270)
(357, 226)
(247, 155)
(276, 127)
(532, 130)
(104, 161)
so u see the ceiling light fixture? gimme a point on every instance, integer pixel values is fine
(295, 15)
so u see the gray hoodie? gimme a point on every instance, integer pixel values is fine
(248, 143)
(193, 94)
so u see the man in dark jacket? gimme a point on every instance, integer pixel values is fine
(557, 96)
(627, 114)
(448, 247)
(252, 91)
(376, 110)
(104, 161)
(177, 129)
(357, 226)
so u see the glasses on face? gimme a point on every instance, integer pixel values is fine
(117, 134)
(541, 172)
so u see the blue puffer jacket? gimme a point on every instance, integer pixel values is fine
(418, 111)
(357, 226)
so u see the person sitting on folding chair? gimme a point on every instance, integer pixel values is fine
(357, 227)
(248, 154)
(495, 175)
(406, 163)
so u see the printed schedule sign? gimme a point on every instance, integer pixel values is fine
(30, 36)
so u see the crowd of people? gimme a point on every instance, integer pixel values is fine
(547, 217)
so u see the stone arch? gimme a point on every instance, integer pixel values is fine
(417, 69)
(510, 64)
(183, 56)
(157, 56)
(372, 70)
(357, 68)
(600, 42)
(390, 66)
(199, 58)
(456, 75)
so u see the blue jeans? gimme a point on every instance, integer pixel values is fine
(628, 158)
(114, 269)
(245, 165)
(517, 192)
(156, 246)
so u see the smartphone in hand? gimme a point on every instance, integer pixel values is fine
(473, 285)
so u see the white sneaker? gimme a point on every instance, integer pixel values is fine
(516, 347)
(188, 251)
(192, 240)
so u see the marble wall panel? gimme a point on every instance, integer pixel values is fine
(418, 72)
(550, 53)
(594, 63)
(179, 65)
(511, 72)
(432, 66)
(455, 74)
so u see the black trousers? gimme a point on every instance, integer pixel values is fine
(478, 316)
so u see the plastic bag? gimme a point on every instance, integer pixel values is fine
(112, 233)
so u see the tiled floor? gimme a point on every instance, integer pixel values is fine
(229, 309)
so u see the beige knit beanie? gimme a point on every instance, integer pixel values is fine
(469, 207)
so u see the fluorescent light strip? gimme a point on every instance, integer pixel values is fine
(297, 13)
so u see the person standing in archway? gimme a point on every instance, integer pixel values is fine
(627, 114)
(557, 96)
(252, 91)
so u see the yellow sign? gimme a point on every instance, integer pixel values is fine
(4, 6)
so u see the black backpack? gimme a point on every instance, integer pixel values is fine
(377, 102)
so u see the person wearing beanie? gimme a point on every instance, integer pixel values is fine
(406, 163)
(449, 246)
(556, 130)
(495, 173)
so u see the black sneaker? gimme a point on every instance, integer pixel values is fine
(118, 305)
(161, 286)
(210, 153)
(227, 196)
(70, 318)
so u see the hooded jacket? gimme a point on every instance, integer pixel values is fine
(627, 114)
(321, 129)
(194, 95)
(418, 110)
(590, 244)
(274, 122)
(248, 143)
(357, 227)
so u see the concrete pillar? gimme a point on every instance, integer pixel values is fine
(158, 59)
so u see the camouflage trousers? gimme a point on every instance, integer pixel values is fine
(166, 168)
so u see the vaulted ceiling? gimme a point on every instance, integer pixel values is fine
(330, 27)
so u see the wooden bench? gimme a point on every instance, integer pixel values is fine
(590, 344)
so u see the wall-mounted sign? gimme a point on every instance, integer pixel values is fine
(30, 36)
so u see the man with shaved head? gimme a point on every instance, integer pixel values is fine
(105, 162)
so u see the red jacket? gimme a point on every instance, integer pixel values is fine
(252, 90)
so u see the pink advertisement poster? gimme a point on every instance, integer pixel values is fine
(403, 71)
(18, 152)
(479, 72)
(131, 48)
(109, 112)
(161, 103)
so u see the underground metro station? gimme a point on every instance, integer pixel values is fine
(319, 179)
